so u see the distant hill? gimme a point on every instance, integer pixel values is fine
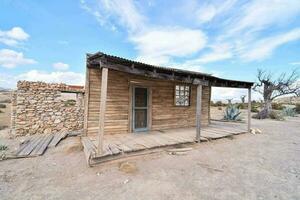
(4, 89)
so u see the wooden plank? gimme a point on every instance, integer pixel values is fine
(89, 149)
(102, 109)
(42, 146)
(86, 100)
(198, 112)
(249, 109)
(57, 138)
(30, 146)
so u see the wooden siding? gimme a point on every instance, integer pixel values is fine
(164, 113)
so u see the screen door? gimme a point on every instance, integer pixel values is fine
(140, 109)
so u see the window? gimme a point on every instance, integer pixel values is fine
(182, 95)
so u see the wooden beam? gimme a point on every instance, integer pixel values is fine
(86, 100)
(102, 109)
(249, 109)
(198, 112)
(152, 74)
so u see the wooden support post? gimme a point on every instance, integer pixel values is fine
(249, 109)
(102, 109)
(86, 100)
(198, 112)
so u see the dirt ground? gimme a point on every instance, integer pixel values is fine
(261, 166)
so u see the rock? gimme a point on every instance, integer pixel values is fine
(128, 167)
(258, 131)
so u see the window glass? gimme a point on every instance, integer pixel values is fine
(182, 95)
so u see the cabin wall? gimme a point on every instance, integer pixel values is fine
(164, 113)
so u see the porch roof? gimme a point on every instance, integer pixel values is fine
(100, 59)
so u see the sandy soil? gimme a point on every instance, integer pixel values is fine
(217, 114)
(5, 115)
(264, 166)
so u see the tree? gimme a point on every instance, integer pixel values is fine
(271, 88)
(229, 100)
(243, 98)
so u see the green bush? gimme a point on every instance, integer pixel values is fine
(70, 102)
(288, 111)
(2, 105)
(276, 115)
(232, 113)
(297, 108)
(254, 108)
(277, 106)
(241, 105)
(217, 104)
(3, 127)
(3, 147)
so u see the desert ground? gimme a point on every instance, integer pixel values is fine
(248, 166)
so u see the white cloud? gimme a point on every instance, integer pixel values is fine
(295, 63)
(219, 52)
(53, 77)
(155, 44)
(264, 47)
(208, 11)
(260, 14)
(159, 45)
(11, 59)
(13, 37)
(114, 12)
(60, 66)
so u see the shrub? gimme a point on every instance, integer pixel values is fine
(254, 108)
(219, 108)
(241, 106)
(276, 115)
(232, 113)
(3, 127)
(70, 102)
(288, 111)
(5, 101)
(3, 147)
(277, 106)
(297, 108)
(217, 104)
(2, 105)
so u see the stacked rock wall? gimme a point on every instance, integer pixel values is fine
(39, 108)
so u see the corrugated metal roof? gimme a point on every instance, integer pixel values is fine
(170, 69)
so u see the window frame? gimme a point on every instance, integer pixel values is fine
(189, 94)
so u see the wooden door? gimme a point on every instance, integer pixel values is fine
(140, 108)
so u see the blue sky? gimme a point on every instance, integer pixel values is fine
(48, 40)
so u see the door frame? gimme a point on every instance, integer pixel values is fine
(131, 119)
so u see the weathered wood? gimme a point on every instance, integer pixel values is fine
(57, 138)
(89, 149)
(156, 75)
(118, 107)
(86, 101)
(249, 109)
(30, 146)
(198, 112)
(102, 109)
(42, 146)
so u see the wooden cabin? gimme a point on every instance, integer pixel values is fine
(126, 97)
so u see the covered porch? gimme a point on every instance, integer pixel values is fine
(110, 130)
(125, 145)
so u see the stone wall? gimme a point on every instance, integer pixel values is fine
(38, 108)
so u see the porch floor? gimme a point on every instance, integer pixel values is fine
(122, 145)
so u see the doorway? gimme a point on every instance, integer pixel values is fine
(140, 109)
